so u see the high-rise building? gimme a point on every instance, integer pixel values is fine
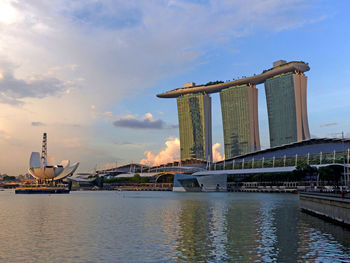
(194, 111)
(285, 87)
(239, 108)
(287, 108)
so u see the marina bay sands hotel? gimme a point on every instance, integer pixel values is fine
(285, 89)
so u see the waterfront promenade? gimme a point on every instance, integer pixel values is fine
(328, 205)
(143, 187)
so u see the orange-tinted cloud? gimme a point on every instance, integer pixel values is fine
(170, 153)
(216, 154)
(110, 165)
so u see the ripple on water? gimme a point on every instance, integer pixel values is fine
(165, 227)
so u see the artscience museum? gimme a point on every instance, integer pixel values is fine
(44, 169)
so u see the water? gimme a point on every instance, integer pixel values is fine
(165, 227)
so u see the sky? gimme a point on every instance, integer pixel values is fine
(87, 72)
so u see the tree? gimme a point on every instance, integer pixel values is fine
(304, 171)
(137, 178)
(9, 178)
(144, 180)
(331, 173)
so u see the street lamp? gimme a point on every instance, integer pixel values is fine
(343, 144)
(344, 155)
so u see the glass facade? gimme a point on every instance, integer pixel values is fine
(281, 108)
(240, 121)
(194, 112)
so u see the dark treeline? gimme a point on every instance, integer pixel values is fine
(135, 179)
(301, 173)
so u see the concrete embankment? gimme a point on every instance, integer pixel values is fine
(140, 187)
(264, 190)
(136, 188)
(329, 206)
(42, 190)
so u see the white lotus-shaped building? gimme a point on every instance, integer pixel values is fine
(42, 168)
(49, 171)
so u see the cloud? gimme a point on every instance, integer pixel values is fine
(216, 154)
(147, 122)
(130, 144)
(156, 39)
(13, 90)
(116, 50)
(170, 153)
(8, 14)
(100, 15)
(4, 135)
(328, 124)
(109, 166)
(73, 142)
(37, 123)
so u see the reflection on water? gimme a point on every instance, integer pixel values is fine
(165, 227)
(195, 236)
(266, 232)
(242, 237)
(323, 240)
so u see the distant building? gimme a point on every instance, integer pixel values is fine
(286, 107)
(25, 177)
(239, 108)
(184, 166)
(194, 112)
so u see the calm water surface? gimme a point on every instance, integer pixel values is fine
(165, 227)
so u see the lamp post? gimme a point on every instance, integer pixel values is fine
(343, 144)
(344, 156)
(347, 165)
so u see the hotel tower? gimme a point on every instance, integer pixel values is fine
(194, 112)
(239, 108)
